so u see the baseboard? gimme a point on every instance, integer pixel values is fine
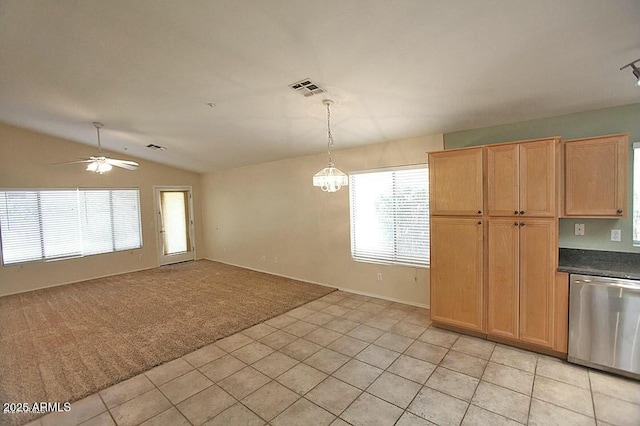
(347, 290)
(79, 281)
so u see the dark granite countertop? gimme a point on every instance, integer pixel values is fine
(601, 263)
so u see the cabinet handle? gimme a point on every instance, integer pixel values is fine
(522, 224)
(479, 211)
(619, 211)
(515, 212)
(479, 223)
(515, 223)
(521, 211)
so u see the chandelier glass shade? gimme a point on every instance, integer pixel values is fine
(330, 179)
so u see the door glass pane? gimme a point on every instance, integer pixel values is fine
(175, 221)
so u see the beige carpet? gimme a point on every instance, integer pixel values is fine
(63, 343)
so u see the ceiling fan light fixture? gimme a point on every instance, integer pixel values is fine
(330, 179)
(634, 69)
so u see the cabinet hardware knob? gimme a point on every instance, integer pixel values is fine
(515, 223)
(619, 211)
(479, 211)
(479, 223)
(521, 211)
(516, 212)
(522, 224)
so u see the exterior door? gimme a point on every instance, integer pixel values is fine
(174, 223)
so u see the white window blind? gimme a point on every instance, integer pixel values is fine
(636, 194)
(59, 223)
(390, 216)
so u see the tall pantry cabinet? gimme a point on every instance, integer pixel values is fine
(456, 197)
(506, 289)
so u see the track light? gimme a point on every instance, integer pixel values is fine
(634, 69)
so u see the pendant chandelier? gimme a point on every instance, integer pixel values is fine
(330, 179)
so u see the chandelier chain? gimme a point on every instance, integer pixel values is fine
(329, 136)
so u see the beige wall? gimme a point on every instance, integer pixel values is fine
(25, 162)
(269, 217)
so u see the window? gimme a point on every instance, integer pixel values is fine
(60, 223)
(390, 216)
(636, 194)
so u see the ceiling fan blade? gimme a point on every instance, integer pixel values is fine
(86, 160)
(125, 164)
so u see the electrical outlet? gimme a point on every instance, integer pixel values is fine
(379, 276)
(616, 235)
(579, 229)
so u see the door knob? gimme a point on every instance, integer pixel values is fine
(619, 211)
(522, 224)
(515, 223)
(521, 211)
(516, 212)
(479, 211)
(479, 223)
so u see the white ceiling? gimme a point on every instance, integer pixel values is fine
(395, 69)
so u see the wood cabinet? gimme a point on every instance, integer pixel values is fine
(538, 264)
(595, 176)
(456, 182)
(521, 272)
(457, 296)
(521, 179)
(503, 278)
(561, 312)
(493, 269)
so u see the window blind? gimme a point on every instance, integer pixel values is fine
(390, 216)
(59, 223)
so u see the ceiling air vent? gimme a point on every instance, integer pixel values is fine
(307, 88)
(156, 147)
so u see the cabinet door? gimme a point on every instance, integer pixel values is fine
(455, 181)
(503, 278)
(502, 180)
(538, 254)
(595, 176)
(538, 178)
(457, 271)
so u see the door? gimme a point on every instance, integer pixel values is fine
(537, 274)
(503, 187)
(455, 179)
(538, 178)
(174, 213)
(503, 278)
(457, 272)
(595, 176)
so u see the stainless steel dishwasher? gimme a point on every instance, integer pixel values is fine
(604, 324)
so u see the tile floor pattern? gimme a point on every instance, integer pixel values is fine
(351, 359)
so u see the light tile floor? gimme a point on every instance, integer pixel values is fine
(351, 359)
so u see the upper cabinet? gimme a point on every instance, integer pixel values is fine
(521, 179)
(595, 176)
(455, 180)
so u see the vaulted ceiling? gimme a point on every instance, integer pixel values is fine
(209, 79)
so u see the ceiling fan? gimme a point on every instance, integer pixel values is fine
(101, 164)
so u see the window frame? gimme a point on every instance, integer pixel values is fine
(80, 242)
(635, 196)
(385, 260)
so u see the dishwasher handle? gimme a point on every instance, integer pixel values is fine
(635, 287)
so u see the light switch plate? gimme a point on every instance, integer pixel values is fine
(579, 229)
(616, 235)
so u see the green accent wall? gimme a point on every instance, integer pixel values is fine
(622, 119)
